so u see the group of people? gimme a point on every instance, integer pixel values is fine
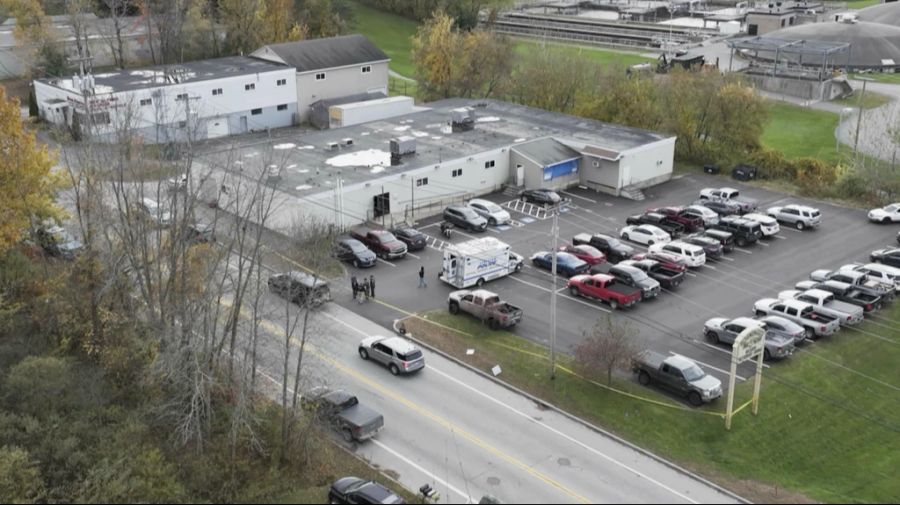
(364, 290)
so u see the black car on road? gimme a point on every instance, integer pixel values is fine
(413, 238)
(465, 217)
(540, 196)
(354, 252)
(356, 490)
(889, 256)
(712, 247)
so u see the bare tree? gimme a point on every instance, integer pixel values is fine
(113, 33)
(608, 346)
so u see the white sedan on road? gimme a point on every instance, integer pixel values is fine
(768, 224)
(646, 234)
(889, 214)
(494, 214)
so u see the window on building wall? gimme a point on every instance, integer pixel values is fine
(320, 76)
(256, 112)
(146, 101)
(249, 87)
(367, 69)
(457, 172)
(422, 182)
(182, 96)
(100, 118)
(282, 107)
(217, 91)
(282, 82)
(489, 164)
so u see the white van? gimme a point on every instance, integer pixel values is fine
(693, 254)
(155, 212)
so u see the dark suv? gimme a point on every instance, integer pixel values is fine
(300, 288)
(356, 490)
(355, 252)
(413, 238)
(720, 207)
(745, 231)
(465, 217)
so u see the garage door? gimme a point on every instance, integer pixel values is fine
(217, 127)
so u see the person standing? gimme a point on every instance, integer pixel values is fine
(365, 288)
(354, 285)
(372, 286)
(422, 283)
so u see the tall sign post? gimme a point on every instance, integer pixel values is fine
(748, 345)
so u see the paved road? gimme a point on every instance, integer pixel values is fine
(467, 436)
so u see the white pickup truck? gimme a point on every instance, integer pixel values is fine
(817, 323)
(729, 195)
(848, 314)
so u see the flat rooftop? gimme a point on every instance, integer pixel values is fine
(170, 75)
(308, 166)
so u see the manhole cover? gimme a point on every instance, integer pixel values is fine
(493, 481)
(564, 462)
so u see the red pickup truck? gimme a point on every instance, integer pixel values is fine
(604, 287)
(382, 242)
(690, 223)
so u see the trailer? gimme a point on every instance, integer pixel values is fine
(478, 261)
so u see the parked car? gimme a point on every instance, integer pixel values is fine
(678, 374)
(847, 314)
(670, 261)
(689, 221)
(817, 323)
(177, 183)
(720, 207)
(712, 247)
(745, 231)
(646, 234)
(606, 288)
(888, 256)
(413, 238)
(200, 232)
(858, 280)
(889, 214)
(587, 253)
(382, 242)
(398, 355)
(155, 212)
(693, 254)
(613, 248)
(301, 288)
(465, 218)
(494, 214)
(567, 265)
(799, 216)
(354, 252)
(486, 306)
(631, 276)
(768, 224)
(674, 230)
(729, 195)
(785, 327)
(57, 241)
(342, 410)
(846, 293)
(725, 238)
(882, 273)
(898, 237)
(355, 490)
(666, 277)
(721, 330)
(709, 216)
(540, 196)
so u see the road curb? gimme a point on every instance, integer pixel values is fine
(583, 422)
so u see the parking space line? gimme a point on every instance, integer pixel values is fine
(708, 366)
(579, 197)
(724, 258)
(387, 262)
(722, 350)
(779, 237)
(413, 255)
(690, 274)
(795, 230)
(464, 234)
(709, 266)
(762, 243)
(743, 250)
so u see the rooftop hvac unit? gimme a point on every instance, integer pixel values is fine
(462, 119)
(332, 146)
(347, 141)
(402, 146)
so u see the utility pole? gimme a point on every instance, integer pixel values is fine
(412, 199)
(553, 294)
(862, 98)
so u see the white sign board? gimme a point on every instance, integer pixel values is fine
(749, 344)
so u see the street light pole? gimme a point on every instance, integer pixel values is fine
(837, 136)
(862, 97)
(553, 295)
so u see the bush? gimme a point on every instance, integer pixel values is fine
(773, 165)
(815, 177)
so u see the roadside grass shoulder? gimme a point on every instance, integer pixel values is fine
(879, 77)
(828, 427)
(872, 100)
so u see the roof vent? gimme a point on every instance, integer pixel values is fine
(462, 119)
(347, 141)
(332, 146)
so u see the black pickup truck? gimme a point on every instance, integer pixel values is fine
(659, 220)
(340, 409)
(668, 278)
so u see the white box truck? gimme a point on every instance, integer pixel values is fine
(478, 261)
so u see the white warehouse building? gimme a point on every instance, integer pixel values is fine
(409, 167)
(201, 99)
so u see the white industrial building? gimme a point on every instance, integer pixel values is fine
(201, 99)
(331, 68)
(408, 167)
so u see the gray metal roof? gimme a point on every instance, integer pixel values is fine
(320, 54)
(170, 75)
(870, 43)
(546, 152)
(789, 45)
(886, 14)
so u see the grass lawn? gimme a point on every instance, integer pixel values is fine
(871, 101)
(861, 4)
(389, 32)
(824, 432)
(800, 132)
(599, 56)
(879, 77)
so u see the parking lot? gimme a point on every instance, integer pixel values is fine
(670, 324)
